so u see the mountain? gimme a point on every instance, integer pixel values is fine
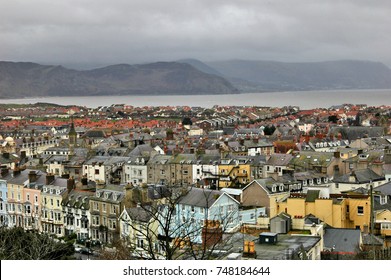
(256, 76)
(26, 79)
(201, 66)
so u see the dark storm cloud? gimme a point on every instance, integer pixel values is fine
(105, 32)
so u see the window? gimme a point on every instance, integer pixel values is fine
(96, 171)
(28, 197)
(104, 207)
(140, 243)
(36, 198)
(360, 210)
(58, 203)
(347, 209)
(385, 226)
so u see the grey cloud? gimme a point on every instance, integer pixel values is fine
(97, 31)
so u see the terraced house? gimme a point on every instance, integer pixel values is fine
(198, 206)
(20, 210)
(338, 210)
(76, 212)
(52, 215)
(105, 208)
(234, 172)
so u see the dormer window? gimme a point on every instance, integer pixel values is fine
(274, 188)
(281, 188)
(318, 180)
(106, 195)
(97, 194)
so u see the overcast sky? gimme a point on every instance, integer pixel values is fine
(102, 32)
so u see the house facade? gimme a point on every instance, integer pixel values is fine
(201, 205)
(105, 208)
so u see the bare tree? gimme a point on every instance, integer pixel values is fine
(17, 244)
(162, 230)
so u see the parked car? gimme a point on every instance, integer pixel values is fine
(78, 249)
(86, 251)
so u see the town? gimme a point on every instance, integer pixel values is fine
(182, 182)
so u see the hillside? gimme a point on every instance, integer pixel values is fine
(280, 76)
(25, 79)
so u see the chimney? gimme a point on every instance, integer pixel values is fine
(84, 181)
(49, 178)
(70, 184)
(65, 176)
(4, 172)
(16, 172)
(32, 176)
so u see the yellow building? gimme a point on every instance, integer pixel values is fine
(234, 172)
(340, 211)
(52, 218)
(383, 224)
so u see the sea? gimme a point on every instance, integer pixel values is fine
(302, 99)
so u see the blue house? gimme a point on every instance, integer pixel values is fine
(4, 176)
(199, 206)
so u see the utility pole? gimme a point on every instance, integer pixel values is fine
(372, 217)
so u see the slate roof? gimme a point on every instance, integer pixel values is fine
(279, 159)
(384, 189)
(361, 176)
(312, 195)
(78, 199)
(355, 132)
(139, 214)
(23, 176)
(142, 150)
(200, 197)
(342, 240)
